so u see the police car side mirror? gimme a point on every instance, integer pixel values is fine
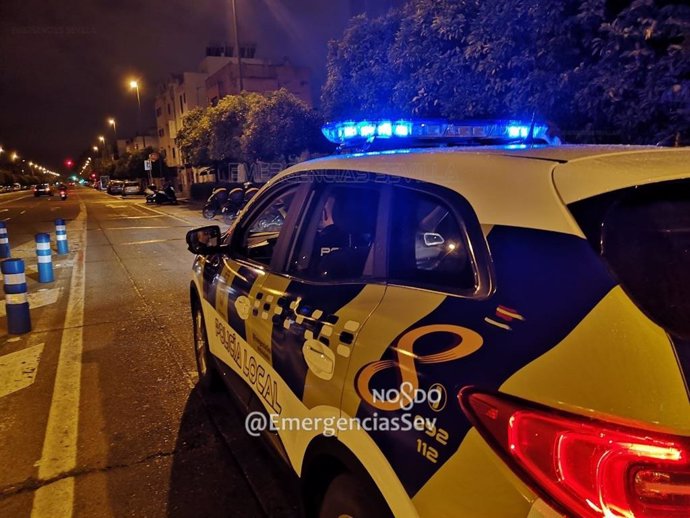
(204, 240)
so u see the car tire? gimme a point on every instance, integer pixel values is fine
(349, 497)
(209, 379)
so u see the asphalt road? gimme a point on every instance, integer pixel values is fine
(100, 415)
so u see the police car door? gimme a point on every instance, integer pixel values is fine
(408, 360)
(234, 287)
(314, 311)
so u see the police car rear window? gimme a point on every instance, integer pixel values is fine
(643, 234)
(428, 244)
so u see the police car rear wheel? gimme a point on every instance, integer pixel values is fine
(349, 497)
(208, 376)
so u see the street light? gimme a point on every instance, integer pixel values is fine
(101, 139)
(14, 156)
(111, 121)
(134, 85)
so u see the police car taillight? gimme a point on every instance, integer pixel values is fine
(586, 467)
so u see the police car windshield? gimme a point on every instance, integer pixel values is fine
(643, 234)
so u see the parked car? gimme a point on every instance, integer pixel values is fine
(131, 187)
(115, 187)
(539, 293)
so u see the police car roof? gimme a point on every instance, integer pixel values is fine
(514, 185)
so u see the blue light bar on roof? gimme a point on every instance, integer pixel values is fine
(355, 132)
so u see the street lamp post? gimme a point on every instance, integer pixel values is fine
(237, 45)
(134, 85)
(111, 121)
(101, 139)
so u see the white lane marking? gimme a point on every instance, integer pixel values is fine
(137, 228)
(53, 209)
(164, 214)
(18, 369)
(37, 299)
(59, 454)
(135, 217)
(22, 212)
(148, 242)
(4, 210)
(15, 199)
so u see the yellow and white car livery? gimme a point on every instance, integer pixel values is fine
(539, 292)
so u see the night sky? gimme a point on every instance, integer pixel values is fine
(65, 65)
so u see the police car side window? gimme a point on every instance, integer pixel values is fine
(337, 237)
(257, 236)
(428, 244)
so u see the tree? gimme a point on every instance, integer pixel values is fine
(194, 138)
(360, 78)
(279, 126)
(431, 53)
(639, 88)
(131, 166)
(228, 119)
(623, 73)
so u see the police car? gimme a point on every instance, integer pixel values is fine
(525, 304)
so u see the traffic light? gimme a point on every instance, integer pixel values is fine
(69, 163)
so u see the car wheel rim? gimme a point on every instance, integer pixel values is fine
(200, 342)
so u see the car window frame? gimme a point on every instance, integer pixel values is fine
(478, 247)
(259, 203)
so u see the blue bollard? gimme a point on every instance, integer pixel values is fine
(45, 261)
(61, 236)
(16, 301)
(4, 241)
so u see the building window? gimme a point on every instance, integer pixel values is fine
(169, 109)
(181, 105)
(161, 132)
(184, 97)
(158, 111)
(214, 101)
(173, 153)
